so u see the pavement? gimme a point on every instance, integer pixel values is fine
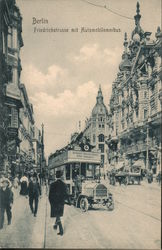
(135, 223)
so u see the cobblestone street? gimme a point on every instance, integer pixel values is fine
(135, 223)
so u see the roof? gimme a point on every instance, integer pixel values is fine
(99, 107)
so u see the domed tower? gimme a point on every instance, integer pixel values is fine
(97, 126)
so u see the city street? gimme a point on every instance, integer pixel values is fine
(135, 222)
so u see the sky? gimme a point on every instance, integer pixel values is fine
(62, 71)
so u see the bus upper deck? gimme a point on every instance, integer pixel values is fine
(75, 163)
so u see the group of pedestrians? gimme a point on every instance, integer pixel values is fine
(30, 188)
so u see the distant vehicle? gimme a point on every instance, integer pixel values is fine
(135, 175)
(127, 176)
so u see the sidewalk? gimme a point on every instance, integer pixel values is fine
(26, 231)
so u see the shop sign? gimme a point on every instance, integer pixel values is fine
(81, 156)
(75, 156)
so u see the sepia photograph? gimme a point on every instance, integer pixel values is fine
(80, 124)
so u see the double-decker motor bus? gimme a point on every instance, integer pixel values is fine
(75, 163)
(81, 173)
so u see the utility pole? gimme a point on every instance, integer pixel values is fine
(147, 147)
(42, 153)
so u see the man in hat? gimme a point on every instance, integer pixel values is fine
(34, 193)
(57, 196)
(6, 201)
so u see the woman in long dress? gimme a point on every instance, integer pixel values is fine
(24, 185)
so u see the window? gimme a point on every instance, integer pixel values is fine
(145, 113)
(14, 38)
(94, 138)
(9, 116)
(10, 38)
(122, 112)
(145, 94)
(12, 117)
(101, 147)
(101, 138)
(99, 125)
(122, 125)
(102, 159)
(136, 113)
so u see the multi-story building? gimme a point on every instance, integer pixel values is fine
(26, 130)
(4, 23)
(96, 128)
(135, 103)
(11, 39)
(17, 137)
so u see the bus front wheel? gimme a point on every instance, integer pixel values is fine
(84, 204)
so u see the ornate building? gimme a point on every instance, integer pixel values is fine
(16, 112)
(135, 103)
(26, 130)
(11, 42)
(97, 129)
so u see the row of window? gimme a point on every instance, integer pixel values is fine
(12, 38)
(100, 125)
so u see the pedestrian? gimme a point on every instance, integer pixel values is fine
(16, 182)
(24, 185)
(34, 193)
(57, 196)
(6, 201)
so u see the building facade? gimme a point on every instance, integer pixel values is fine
(135, 103)
(26, 131)
(17, 131)
(11, 43)
(4, 23)
(96, 127)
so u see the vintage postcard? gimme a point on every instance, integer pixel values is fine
(80, 124)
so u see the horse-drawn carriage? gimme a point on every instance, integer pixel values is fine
(126, 175)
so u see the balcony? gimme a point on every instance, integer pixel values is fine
(139, 147)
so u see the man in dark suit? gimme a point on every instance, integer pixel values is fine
(34, 193)
(57, 196)
(6, 201)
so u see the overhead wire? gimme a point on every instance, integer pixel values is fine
(108, 9)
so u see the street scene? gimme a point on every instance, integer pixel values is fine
(80, 124)
(127, 221)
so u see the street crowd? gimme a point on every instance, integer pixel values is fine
(30, 187)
